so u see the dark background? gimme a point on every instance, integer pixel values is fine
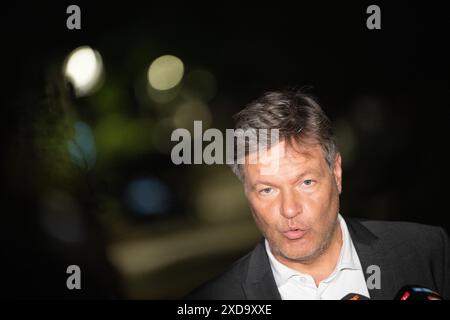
(386, 91)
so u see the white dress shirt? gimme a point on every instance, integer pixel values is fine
(346, 278)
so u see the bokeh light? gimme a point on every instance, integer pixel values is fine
(122, 137)
(148, 196)
(81, 148)
(84, 69)
(189, 111)
(165, 72)
(219, 185)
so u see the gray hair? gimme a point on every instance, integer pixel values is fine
(296, 115)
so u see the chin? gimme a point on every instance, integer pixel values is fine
(298, 251)
(298, 254)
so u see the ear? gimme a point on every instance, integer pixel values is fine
(337, 172)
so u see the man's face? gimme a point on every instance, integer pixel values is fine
(296, 207)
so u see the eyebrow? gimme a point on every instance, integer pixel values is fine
(297, 178)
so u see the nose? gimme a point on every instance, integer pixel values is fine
(291, 205)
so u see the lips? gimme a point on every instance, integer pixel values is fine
(294, 234)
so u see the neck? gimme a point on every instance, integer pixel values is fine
(322, 266)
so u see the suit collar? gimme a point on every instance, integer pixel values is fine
(260, 283)
(371, 253)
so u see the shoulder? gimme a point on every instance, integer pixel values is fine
(402, 229)
(419, 236)
(226, 286)
(420, 253)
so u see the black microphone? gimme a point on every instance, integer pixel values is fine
(414, 292)
(355, 296)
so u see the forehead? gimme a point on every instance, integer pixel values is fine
(291, 159)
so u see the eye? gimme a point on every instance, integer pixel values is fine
(265, 191)
(308, 182)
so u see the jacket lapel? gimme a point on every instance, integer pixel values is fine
(260, 283)
(372, 253)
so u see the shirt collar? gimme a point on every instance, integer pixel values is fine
(348, 258)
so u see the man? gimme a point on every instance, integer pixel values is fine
(309, 251)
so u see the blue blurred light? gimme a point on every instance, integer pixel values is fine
(148, 196)
(82, 147)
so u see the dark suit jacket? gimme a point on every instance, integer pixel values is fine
(407, 254)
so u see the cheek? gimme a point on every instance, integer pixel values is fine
(265, 213)
(321, 205)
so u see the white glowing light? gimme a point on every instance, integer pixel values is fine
(165, 72)
(84, 69)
